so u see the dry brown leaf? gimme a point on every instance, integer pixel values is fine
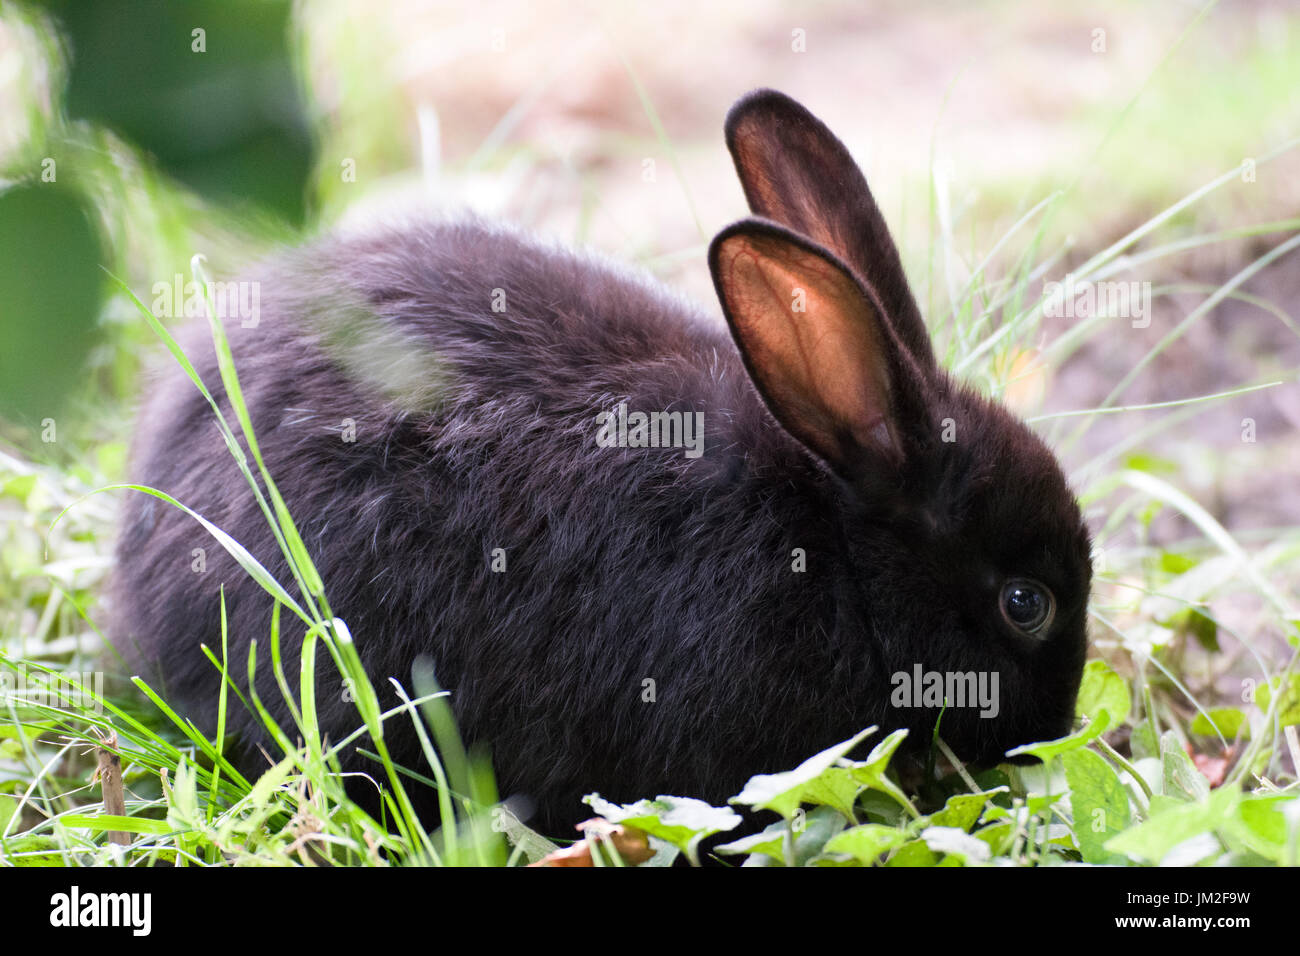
(633, 845)
(1214, 769)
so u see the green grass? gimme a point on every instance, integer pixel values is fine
(1171, 677)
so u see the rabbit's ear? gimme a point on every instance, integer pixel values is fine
(797, 173)
(815, 344)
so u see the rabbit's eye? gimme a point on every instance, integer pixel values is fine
(1027, 605)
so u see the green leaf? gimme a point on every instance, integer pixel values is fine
(1229, 721)
(1103, 689)
(914, 853)
(956, 843)
(1099, 803)
(1180, 777)
(769, 843)
(1151, 463)
(9, 808)
(1034, 804)
(680, 821)
(1288, 713)
(820, 826)
(1172, 562)
(871, 773)
(882, 808)
(1048, 749)
(270, 780)
(877, 761)
(37, 850)
(866, 843)
(799, 842)
(1172, 823)
(963, 809)
(784, 792)
(835, 787)
(998, 836)
(19, 486)
(533, 845)
(1144, 742)
(1262, 824)
(183, 804)
(107, 821)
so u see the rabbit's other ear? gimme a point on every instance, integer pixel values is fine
(815, 344)
(797, 173)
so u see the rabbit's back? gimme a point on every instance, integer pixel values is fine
(428, 403)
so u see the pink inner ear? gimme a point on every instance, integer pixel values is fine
(822, 369)
(780, 191)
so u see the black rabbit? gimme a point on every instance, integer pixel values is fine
(616, 604)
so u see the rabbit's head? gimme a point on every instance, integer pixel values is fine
(960, 537)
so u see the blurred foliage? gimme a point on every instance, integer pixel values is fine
(208, 91)
(208, 88)
(50, 285)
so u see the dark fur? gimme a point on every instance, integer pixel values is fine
(623, 564)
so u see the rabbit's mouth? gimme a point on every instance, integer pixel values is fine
(1055, 730)
(984, 744)
(1000, 753)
